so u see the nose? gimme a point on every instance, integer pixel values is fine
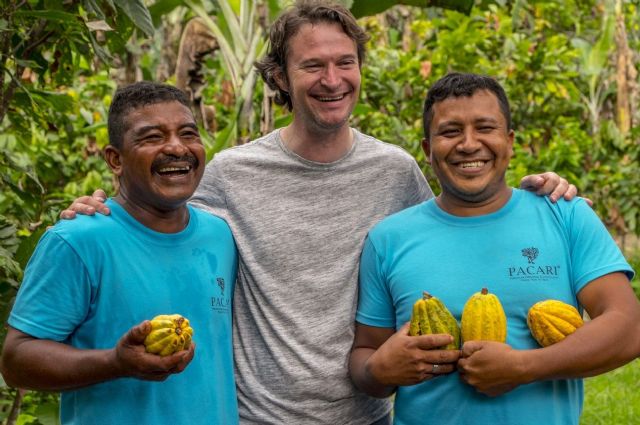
(469, 142)
(174, 145)
(330, 76)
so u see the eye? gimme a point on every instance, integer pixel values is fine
(450, 132)
(347, 63)
(312, 67)
(152, 138)
(189, 134)
(486, 128)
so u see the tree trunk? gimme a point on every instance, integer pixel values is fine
(623, 60)
(15, 407)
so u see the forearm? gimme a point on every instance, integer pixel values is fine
(605, 343)
(362, 377)
(52, 366)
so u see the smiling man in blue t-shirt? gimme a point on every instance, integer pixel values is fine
(81, 314)
(481, 233)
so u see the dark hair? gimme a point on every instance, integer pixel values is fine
(135, 96)
(458, 84)
(288, 25)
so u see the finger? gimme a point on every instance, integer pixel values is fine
(442, 369)
(588, 201)
(571, 192)
(442, 356)
(558, 190)
(67, 214)
(428, 342)
(404, 329)
(468, 348)
(138, 333)
(185, 359)
(100, 195)
(532, 182)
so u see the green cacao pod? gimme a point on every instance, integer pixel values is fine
(550, 321)
(169, 334)
(430, 316)
(483, 318)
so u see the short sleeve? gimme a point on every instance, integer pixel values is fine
(375, 306)
(55, 294)
(594, 253)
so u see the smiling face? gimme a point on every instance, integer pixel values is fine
(322, 77)
(469, 148)
(161, 160)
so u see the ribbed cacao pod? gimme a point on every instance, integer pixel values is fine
(430, 316)
(169, 334)
(550, 321)
(483, 318)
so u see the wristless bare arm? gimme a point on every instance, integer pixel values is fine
(47, 365)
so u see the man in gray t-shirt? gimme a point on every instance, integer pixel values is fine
(300, 202)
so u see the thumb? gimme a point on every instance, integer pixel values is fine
(138, 333)
(470, 347)
(404, 330)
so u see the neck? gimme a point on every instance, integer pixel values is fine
(318, 146)
(459, 207)
(163, 221)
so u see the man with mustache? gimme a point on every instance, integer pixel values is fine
(81, 314)
(300, 201)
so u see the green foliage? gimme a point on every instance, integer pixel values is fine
(613, 398)
(547, 56)
(362, 8)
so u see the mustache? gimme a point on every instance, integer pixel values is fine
(170, 159)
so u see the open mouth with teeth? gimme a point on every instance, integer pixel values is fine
(169, 171)
(330, 99)
(472, 164)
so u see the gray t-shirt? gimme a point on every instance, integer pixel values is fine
(299, 226)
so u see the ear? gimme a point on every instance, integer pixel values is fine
(426, 147)
(281, 80)
(510, 138)
(113, 158)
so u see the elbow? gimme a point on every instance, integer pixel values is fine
(7, 370)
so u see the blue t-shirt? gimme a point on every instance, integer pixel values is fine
(91, 279)
(530, 250)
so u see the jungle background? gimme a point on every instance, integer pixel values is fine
(570, 69)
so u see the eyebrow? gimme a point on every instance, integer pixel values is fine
(480, 120)
(147, 128)
(315, 60)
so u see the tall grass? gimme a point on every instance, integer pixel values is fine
(614, 397)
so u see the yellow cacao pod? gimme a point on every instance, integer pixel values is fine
(169, 334)
(550, 321)
(430, 316)
(483, 318)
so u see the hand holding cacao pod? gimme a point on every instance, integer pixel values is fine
(169, 334)
(551, 321)
(430, 316)
(483, 318)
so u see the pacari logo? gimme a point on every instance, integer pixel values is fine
(221, 285)
(531, 254)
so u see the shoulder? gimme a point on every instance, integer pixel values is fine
(84, 226)
(400, 224)
(383, 149)
(561, 208)
(255, 149)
